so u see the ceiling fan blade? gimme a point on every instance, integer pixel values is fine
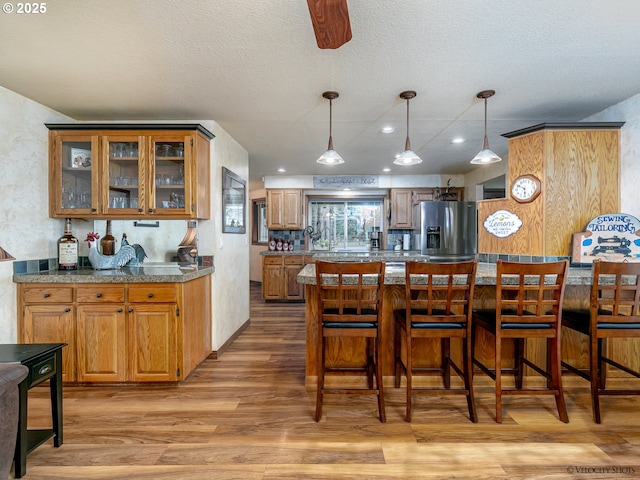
(330, 20)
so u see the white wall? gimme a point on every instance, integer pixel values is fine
(627, 111)
(230, 282)
(28, 233)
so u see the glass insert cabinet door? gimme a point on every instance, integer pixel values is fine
(124, 176)
(78, 173)
(170, 175)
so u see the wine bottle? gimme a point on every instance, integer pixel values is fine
(67, 249)
(108, 242)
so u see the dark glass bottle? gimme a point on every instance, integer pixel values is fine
(67, 249)
(108, 242)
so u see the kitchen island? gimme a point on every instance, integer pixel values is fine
(129, 325)
(574, 346)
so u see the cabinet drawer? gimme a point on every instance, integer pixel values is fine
(273, 260)
(100, 294)
(152, 292)
(293, 260)
(47, 294)
(42, 370)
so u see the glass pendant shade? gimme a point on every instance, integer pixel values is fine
(486, 155)
(330, 157)
(408, 157)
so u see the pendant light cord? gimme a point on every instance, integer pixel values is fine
(486, 139)
(330, 147)
(407, 145)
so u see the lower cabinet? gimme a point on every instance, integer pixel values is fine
(280, 277)
(52, 323)
(152, 343)
(121, 333)
(101, 343)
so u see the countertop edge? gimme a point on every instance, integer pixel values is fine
(124, 275)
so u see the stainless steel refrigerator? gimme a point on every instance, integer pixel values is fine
(448, 230)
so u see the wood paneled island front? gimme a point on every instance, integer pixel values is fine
(574, 346)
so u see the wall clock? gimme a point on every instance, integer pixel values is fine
(525, 188)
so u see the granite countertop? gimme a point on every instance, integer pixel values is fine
(485, 275)
(148, 273)
(351, 256)
(269, 253)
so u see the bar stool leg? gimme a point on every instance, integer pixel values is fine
(320, 382)
(467, 359)
(557, 380)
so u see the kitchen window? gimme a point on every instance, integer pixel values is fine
(336, 224)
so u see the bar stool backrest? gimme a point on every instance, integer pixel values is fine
(439, 292)
(615, 295)
(529, 295)
(349, 292)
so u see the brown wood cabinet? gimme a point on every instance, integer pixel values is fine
(117, 333)
(403, 200)
(46, 315)
(284, 209)
(280, 277)
(129, 171)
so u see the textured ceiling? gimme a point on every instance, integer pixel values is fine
(254, 67)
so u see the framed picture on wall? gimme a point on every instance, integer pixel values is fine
(234, 195)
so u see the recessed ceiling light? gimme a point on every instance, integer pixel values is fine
(457, 140)
(386, 169)
(387, 130)
(281, 170)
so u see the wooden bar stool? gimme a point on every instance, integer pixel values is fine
(350, 305)
(614, 313)
(438, 305)
(528, 305)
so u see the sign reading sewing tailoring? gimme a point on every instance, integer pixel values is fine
(345, 181)
(502, 223)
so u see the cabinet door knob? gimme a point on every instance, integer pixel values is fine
(140, 210)
(150, 295)
(46, 295)
(67, 310)
(130, 310)
(151, 210)
(98, 295)
(93, 210)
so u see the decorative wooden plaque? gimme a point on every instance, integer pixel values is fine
(613, 237)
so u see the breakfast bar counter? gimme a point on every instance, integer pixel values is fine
(574, 346)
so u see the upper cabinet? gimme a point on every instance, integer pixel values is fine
(402, 201)
(284, 209)
(129, 171)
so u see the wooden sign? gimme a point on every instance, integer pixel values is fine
(613, 237)
(502, 223)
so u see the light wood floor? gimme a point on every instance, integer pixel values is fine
(248, 415)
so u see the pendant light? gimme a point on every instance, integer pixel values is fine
(408, 157)
(486, 155)
(330, 157)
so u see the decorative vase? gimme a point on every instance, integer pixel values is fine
(108, 242)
